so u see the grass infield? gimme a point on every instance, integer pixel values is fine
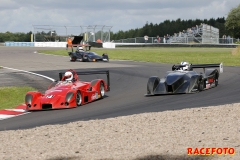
(228, 56)
(13, 96)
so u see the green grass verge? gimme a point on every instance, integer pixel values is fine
(229, 56)
(13, 96)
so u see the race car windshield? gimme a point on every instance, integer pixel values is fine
(92, 53)
(53, 84)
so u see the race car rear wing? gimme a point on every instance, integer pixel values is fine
(92, 72)
(76, 42)
(178, 67)
(208, 66)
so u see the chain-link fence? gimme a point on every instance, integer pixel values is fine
(188, 40)
(53, 33)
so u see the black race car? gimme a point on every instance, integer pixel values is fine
(183, 79)
(86, 56)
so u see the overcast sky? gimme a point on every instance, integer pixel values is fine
(21, 15)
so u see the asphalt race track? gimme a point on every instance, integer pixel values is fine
(128, 82)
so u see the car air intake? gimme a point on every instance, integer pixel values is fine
(46, 106)
(170, 88)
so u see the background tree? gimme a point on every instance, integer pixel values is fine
(16, 37)
(233, 22)
(169, 27)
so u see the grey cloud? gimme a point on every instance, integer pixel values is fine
(20, 15)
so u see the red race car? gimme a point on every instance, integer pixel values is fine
(69, 92)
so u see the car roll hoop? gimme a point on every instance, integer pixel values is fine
(178, 67)
(75, 75)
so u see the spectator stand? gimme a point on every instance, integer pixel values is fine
(203, 33)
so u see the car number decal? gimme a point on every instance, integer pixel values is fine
(94, 96)
(50, 96)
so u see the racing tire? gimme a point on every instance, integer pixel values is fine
(105, 56)
(72, 59)
(102, 91)
(78, 98)
(106, 60)
(216, 80)
(200, 85)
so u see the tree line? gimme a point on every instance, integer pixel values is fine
(16, 37)
(170, 27)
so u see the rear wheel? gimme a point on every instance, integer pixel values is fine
(78, 98)
(102, 90)
(216, 80)
(72, 59)
(200, 85)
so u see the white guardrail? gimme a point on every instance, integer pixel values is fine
(50, 44)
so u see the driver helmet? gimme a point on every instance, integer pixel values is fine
(68, 76)
(186, 67)
(80, 48)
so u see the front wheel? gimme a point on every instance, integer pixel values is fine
(78, 98)
(102, 90)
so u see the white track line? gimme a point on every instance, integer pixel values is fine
(5, 116)
(51, 79)
(16, 110)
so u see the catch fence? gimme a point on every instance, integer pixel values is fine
(54, 33)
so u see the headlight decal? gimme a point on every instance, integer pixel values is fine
(28, 99)
(69, 96)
